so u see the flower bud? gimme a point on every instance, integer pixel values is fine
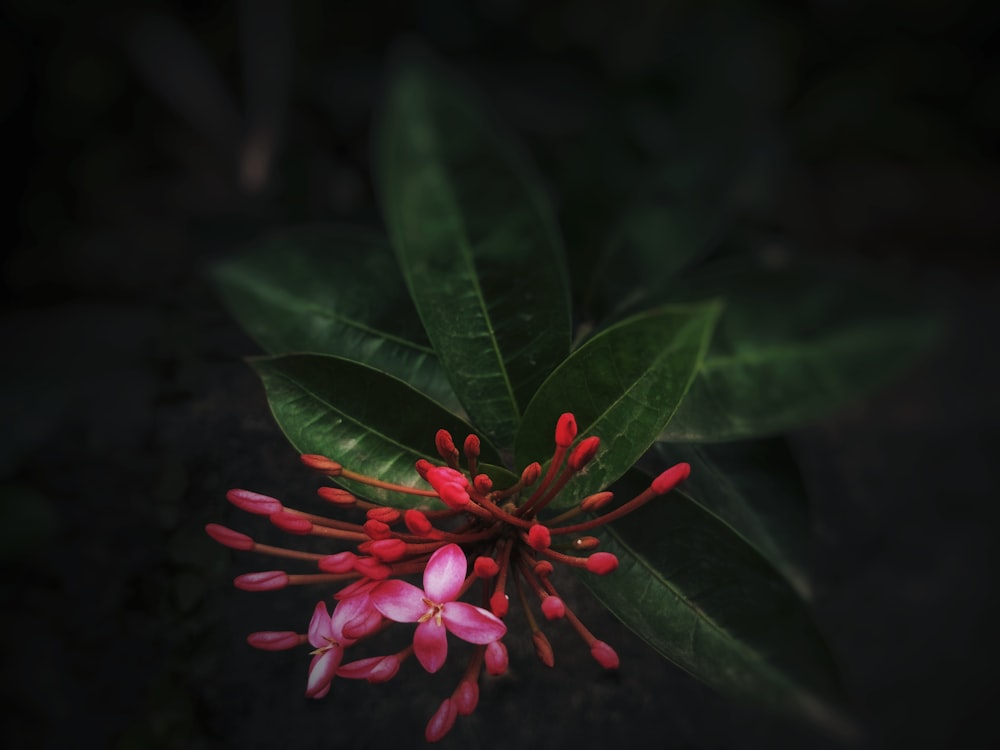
(553, 608)
(442, 721)
(483, 484)
(342, 562)
(602, 563)
(565, 430)
(253, 502)
(584, 543)
(595, 502)
(453, 495)
(496, 658)
(376, 529)
(228, 537)
(471, 446)
(446, 447)
(543, 648)
(370, 567)
(530, 474)
(671, 478)
(265, 580)
(604, 654)
(423, 466)
(274, 640)
(485, 567)
(322, 463)
(340, 498)
(417, 522)
(291, 522)
(539, 536)
(466, 697)
(389, 550)
(543, 568)
(583, 452)
(383, 514)
(499, 604)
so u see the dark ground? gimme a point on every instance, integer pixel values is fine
(127, 412)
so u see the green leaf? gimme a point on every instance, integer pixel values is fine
(477, 243)
(701, 597)
(754, 488)
(793, 345)
(367, 420)
(337, 290)
(623, 385)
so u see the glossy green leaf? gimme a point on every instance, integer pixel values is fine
(477, 243)
(793, 345)
(756, 489)
(331, 289)
(369, 421)
(701, 597)
(623, 385)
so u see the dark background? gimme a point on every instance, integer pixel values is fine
(143, 141)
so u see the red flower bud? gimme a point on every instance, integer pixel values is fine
(265, 580)
(453, 495)
(584, 543)
(423, 466)
(446, 447)
(604, 654)
(671, 478)
(389, 550)
(602, 563)
(371, 567)
(543, 568)
(228, 537)
(376, 529)
(496, 658)
(291, 522)
(485, 567)
(553, 608)
(539, 536)
(595, 502)
(482, 483)
(565, 430)
(274, 640)
(342, 562)
(322, 463)
(466, 697)
(383, 514)
(442, 721)
(340, 498)
(253, 502)
(417, 522)
(543, 648)
(471, 446)
(499, 603)
(583, 452)
(531, 473)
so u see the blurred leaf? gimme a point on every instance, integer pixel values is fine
(756, 490)
(477, 243)
(367, 420)
(702, 598)
(623, 386)
(793, 344)
(333, 290)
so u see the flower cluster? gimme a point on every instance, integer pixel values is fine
(512, 548)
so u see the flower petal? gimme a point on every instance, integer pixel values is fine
(399, 601)
(445, 574)
(319, 626)
(346, 612)
(472, 624)
(321, 671)
(430, 644)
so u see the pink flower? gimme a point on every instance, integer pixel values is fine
(326, 634)
(436, 610)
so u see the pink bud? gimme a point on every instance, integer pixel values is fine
(389, 550)
(604, 654)
(453, 495)
(671, 478)
(471, 446)
(291, 522)
(531, 473)
(446, 447)
(553, 608)
(437, 476)
(499, 603)
(228, 537)
(342, 562)
(376, 529)
(543, 648)
(337, 496)
(322, 463)
(274, 640)
(423, 466)
(565, 430)
(384, 514)
(485, 567)
(417, 522)
(539, 536)
(543, 568)
(357, 588)
(602, 563)
(372, 568)
(496, 658)
(482, 483)
(598, 500)
(583, 452)
(265, 580)
(374, 669)
(466, 697)
(253, 502)
(442, 721)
